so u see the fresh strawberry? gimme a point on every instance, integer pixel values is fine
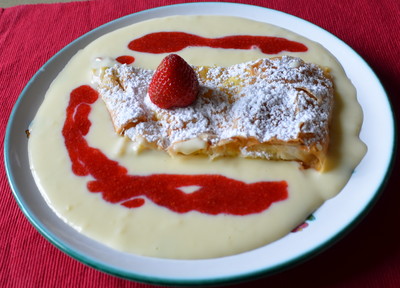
(174, 83)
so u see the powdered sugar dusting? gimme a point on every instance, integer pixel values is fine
(267, 101)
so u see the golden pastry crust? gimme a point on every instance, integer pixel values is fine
(275, 109)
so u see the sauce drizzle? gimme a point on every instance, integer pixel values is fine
(216, 194)
(125, 59)
(176, 41)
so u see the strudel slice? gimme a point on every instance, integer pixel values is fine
(275, 109)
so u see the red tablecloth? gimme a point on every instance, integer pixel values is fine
(30, 34)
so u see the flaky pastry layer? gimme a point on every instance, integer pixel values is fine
(275, 109)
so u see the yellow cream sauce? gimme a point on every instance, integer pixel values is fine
(156, 231)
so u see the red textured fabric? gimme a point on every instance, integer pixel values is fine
(30, 34)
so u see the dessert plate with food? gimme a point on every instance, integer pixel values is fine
(210, 143)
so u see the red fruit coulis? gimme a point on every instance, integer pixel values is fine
(216, 194)
(125, 59)
(177, 41)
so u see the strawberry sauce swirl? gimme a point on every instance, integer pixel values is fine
(216, 194)
(176, 41)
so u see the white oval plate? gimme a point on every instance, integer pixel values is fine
(329, 226)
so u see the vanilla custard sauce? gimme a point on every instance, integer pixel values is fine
(156, 231)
